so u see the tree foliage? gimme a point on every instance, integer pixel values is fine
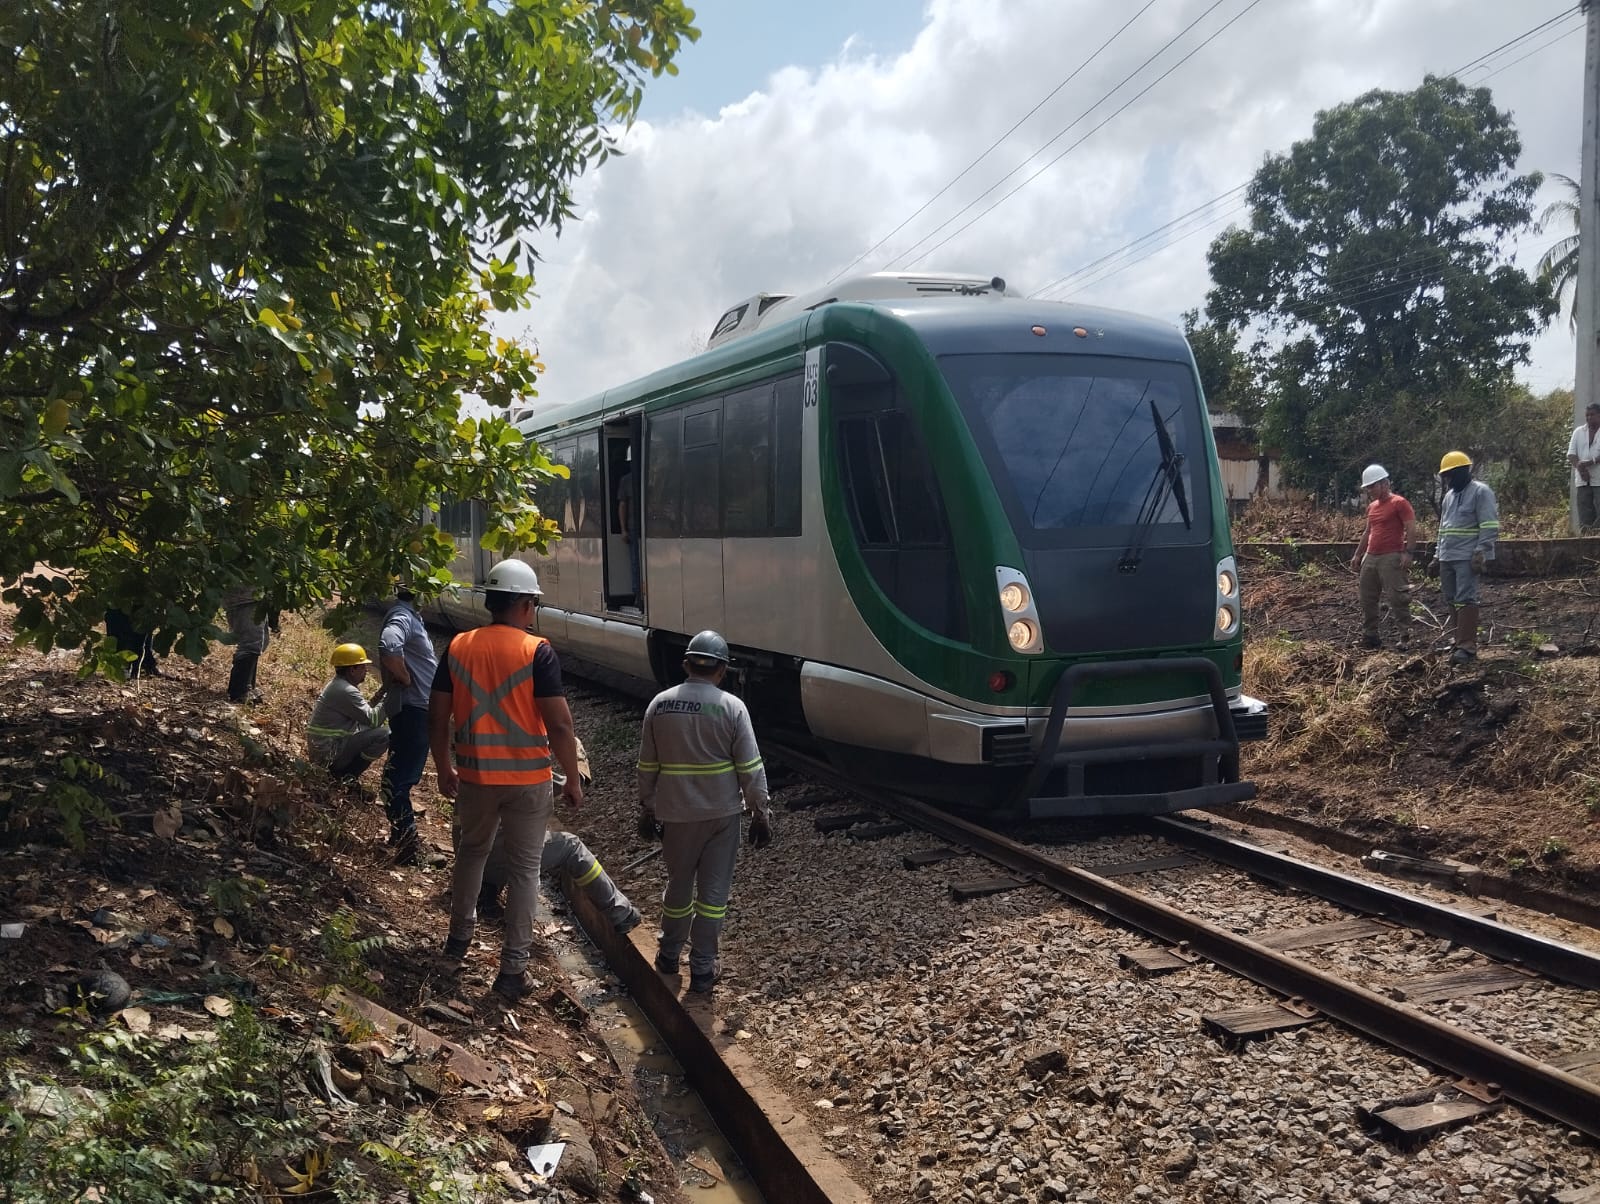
(1376, 258)
(248, 256)
(1559, 263)
(1228, 375)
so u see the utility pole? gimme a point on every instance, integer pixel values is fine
(1586, 303)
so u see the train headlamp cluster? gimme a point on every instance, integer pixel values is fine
(1227, 621)
(1024, 632)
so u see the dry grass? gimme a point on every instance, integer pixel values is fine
(1273, 521)
(1328, 708)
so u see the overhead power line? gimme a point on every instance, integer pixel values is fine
(915, 253)
(993, 146)
(1136, 251)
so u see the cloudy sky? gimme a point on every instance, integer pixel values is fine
(800, 133)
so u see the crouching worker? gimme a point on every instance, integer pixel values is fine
(562, 851)
(346, 734)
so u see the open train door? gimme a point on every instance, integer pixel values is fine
(624, 528)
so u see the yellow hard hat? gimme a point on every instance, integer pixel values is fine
(1455, 460)
(346, 655)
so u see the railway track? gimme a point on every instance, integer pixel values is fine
(1489, 1072)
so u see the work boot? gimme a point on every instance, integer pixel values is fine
(241, 677)
(629, 922)
(409, 850)
(701, 983)
(514, 986)
(1467, 631)
(1371, 641)
(455, 949)
(667, 965)
(489, 905)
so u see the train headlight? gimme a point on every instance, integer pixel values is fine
(1019, 612)
(1227, 622)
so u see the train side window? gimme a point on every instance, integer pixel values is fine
(891, 493)
(702, 472)
(866, 482)
(663, 511)
(588, 497)
(786, 427)
(747, 462)
(550, 493)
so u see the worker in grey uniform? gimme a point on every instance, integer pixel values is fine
(346, 733)
(1469, 527)
(698, 767)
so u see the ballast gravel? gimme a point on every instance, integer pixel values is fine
(995, 1050)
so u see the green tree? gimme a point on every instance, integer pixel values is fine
(1376, 256)
(248, 256)
(1227, 374)
(1559, 264)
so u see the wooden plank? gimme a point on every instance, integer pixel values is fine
(838, 823)
(1457, 984)
(1149, 962)
(1585, 1064)
(468, 1066)
(1588, 1194)
(878, 831)
(926, 857)
(1410, 1125)
(978, 887)
(1321, 934)
(1150, 865)
(1247, 1024)
(807, 799)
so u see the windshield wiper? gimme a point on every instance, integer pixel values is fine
(1168, 476)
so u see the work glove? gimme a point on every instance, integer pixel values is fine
(1477, 562)
(649, 827)
(760, 831)
(1433, 568)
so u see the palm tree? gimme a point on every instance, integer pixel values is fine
(1559, 264)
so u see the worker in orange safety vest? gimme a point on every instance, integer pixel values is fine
(496, 714)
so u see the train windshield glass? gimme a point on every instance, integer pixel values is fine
(1073, 445)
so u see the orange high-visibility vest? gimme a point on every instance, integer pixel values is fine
(500, 737)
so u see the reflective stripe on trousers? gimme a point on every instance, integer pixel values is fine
(700, 856)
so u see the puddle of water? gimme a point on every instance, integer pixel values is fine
(701, 1155)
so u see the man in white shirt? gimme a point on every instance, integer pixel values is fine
(1583, 453)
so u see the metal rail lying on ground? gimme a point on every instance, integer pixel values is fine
(1553, 959)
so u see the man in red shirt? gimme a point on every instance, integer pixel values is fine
(1383, 557)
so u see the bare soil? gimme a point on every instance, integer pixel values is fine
(1492, 763)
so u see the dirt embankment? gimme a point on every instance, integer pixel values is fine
(240, 895)
(1496, 762)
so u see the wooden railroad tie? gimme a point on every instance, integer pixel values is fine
(978, 887)
(1408, 1122)
(1149, 865)
(815, 796)
(1234, 1028)
(926, 857)
(1147, 963)
(838, 823)
(1585, 1064)
(877, 831)
(1456, 984)
(1285, 939)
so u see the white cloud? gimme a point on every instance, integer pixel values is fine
(778, 191)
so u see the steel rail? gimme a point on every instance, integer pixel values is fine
(1554, 959)
(1536, 1085)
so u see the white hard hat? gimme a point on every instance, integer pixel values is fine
(1372, 474)
(513, 577)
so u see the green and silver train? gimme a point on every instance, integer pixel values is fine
(974, 545)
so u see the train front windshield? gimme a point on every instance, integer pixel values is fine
(1084, 448)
